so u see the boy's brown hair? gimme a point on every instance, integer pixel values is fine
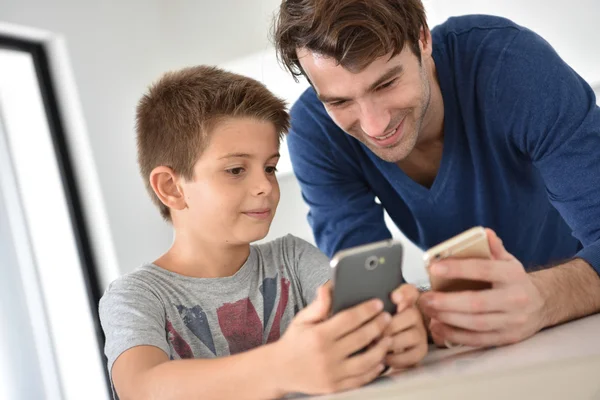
(352, 32)
(175, 117)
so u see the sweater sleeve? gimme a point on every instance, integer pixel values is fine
(551, 116)
(342, 208)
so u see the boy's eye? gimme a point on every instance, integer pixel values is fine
(270, 170)
(235, 171)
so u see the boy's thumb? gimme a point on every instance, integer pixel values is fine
(318, 310)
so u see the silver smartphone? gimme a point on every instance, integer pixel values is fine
(367, 272)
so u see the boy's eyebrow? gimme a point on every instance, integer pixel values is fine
(246, 155)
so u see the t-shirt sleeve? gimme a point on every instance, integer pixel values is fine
(131, 315)
(310, 264)
(551, 115)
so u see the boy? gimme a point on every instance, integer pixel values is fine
(206, 317)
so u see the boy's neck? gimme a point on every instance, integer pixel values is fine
(201, 259)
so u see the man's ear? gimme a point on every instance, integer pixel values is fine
(425, 42)
(164, 182)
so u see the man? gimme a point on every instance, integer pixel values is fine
(478, 122)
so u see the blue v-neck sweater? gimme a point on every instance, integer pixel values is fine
(521, 154)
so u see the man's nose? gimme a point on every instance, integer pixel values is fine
(374, 119)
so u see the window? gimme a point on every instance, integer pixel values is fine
(50, 197)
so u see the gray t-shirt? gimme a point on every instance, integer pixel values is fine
(213, 317)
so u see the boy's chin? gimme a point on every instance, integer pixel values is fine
(254, 234)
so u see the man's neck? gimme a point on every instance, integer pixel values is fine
(202, 259)
(423, 163)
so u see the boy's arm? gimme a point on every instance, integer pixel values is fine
(145, 372)
(312, 357)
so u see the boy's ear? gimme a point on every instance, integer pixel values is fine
(164, 183)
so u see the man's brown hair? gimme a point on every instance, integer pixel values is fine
(352, 32)
(175, 117)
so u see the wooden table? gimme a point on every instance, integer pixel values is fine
(558, 363)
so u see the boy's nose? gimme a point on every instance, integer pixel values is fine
(263, 186)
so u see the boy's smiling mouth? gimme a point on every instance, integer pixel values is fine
(259, 213)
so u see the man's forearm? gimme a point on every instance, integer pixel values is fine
(569, 291)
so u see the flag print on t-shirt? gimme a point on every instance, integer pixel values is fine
(239, 321)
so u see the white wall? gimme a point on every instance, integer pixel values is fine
(119, 47)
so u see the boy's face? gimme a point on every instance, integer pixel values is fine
(234, 194)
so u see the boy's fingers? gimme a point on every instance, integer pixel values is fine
(363, 336)
(405, 296)
(408, 358)
(349, 320)
(362, 363)
(403, 320)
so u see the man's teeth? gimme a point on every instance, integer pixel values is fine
(386, 136)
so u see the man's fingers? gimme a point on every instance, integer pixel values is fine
(349, 320)
(497, 247)
(437, 339)
(363, 336)
(493, 271)
(473, 339)
(484, 301)
(487, 322)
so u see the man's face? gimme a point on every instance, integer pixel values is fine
(234, 194)
(383, 105)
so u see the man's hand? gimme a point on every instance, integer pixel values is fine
(409, 337)
(313, 354)
(511, 311)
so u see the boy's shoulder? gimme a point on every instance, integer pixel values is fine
(288, 245)
(143, 278)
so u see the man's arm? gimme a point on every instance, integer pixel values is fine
(343, 212)
(569, 291)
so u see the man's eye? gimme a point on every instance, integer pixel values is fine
(386, 85)
(337, 103)
(270, 170)
(235, 171)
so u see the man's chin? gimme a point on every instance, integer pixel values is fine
(392, 155)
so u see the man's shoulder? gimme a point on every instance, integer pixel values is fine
(465, 24)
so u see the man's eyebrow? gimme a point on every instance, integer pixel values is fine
(392, 72)
(397, 70)
(332, 99)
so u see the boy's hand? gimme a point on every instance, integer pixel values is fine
(313, 354)
(409, 337)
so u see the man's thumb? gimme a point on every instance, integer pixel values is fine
(497, 247)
